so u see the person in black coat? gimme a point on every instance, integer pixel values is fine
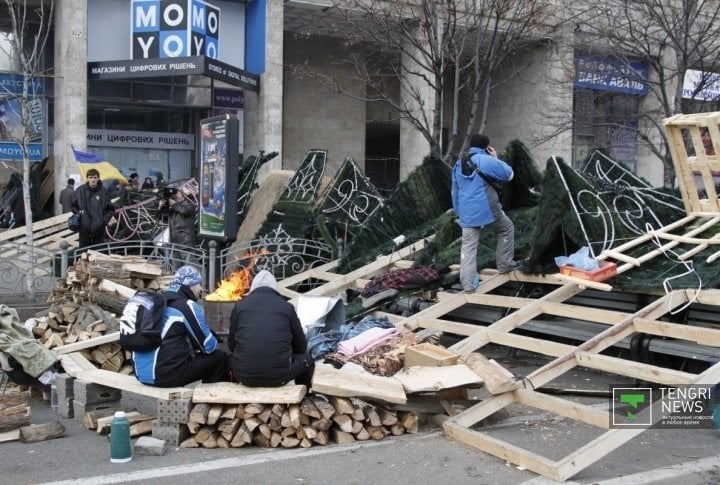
(95, 208)
(267, 344)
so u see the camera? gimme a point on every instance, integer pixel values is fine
(166, 193)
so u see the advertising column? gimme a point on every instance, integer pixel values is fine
(219, 160)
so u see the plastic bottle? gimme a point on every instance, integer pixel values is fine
(120, 450)
(53, 398)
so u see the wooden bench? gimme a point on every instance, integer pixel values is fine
(80, 368)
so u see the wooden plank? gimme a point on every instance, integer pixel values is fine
(430, 379)
(234, 393)
(112, 287)
(86, 344)
(131, 384)
(75, 363)
(506, 451)
(379, 265)
(582, 283)
(564, 407)
(513, 320)
(496, 378)
(333, 382)
(13, 435)
(638, 370)
(700, 335)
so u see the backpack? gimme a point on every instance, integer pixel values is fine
(141, 322)
(468, 168)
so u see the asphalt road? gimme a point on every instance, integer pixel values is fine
(82, 457)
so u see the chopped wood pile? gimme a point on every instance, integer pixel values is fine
(316, 420)
(87, 304)
(15, 422)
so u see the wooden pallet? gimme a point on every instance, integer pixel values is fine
(682, 237)
(696, 158)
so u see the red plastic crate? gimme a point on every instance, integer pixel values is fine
(605, 271)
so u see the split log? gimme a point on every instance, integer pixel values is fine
(305, 443)
(275, 439)
(321, 438)
(189, 443)
(341, 437)
(289, 442)
(252, 423)
(326, 409)
(214, 414)
(309, 409)
(41, 432)
(222, 442)
(199, 413)
(242, 437)
(203, 434)
(141, 428)
(194, 426)
(228, 427)
(342, 405)
(211, 441)
(344, 422)
(16, 420)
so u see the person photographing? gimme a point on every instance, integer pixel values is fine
(476, 201)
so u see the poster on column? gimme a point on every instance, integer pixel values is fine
(219, 159)
(12, 125)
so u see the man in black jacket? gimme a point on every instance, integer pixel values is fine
(267, 344)
(95, 209)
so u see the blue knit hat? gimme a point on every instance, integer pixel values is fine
(188, 276)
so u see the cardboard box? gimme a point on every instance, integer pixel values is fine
(429, 355)
(605, 271)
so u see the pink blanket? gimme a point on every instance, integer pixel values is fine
(365, 341)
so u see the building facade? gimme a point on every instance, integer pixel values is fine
(146, 121)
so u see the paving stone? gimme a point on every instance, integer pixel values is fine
(146, 445)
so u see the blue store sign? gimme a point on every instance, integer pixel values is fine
(607, 74)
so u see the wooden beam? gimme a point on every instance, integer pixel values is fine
(431, 379)
(503, 450)
(75, 363)
(564, 407)
(333, 382)
(234, 393)
(700, 335)
(131, 384)
(86, 344)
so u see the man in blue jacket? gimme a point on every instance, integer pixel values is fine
(267, 344)
(189, 349)
(477, 204)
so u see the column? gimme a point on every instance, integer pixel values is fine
(264, 111)
(70, 127)
(413, 145)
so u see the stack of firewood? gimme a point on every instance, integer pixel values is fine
(89, 301)
(15, 421)
(317, 420)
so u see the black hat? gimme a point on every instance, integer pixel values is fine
(480, 141)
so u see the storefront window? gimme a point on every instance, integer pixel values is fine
(605, 108)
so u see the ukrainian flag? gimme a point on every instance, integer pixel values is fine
(107, 170)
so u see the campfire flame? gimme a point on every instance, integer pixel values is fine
(237, 284)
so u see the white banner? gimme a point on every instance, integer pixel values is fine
(711, 89)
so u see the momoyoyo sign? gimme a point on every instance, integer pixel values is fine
(174, 28)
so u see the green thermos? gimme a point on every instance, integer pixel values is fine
(120, 450)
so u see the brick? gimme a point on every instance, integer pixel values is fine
(89, 392)
(64, 384)
(173, 433)
(146, 445)
(174, 410)
(80, 408)
(65, 407)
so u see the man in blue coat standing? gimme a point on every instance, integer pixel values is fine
(477, 204)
